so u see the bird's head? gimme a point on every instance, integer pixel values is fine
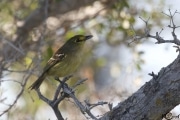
(79, 39)
(76, 43)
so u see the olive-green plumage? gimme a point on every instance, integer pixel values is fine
(64, 61)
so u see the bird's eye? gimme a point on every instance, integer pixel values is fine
(77, 40)
(80, 39)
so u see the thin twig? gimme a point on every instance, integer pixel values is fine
(157, 36)
(23, 84)
(12, 45)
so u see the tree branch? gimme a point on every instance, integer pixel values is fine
(64, 91)
(158, 96)
(154, 99)
(160, 39)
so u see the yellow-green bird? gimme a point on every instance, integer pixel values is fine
(64, 61)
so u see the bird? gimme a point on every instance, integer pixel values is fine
(64, 61)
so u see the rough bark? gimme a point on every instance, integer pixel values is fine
(154, 99)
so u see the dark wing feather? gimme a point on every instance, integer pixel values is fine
(53, 61)
(57, 57)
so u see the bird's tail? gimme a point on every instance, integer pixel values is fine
(38, 82)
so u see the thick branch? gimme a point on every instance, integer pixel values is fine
(153, 100)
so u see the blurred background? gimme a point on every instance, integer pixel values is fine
(31, 30)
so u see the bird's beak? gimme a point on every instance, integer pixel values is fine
(88, 37)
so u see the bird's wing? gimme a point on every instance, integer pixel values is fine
(54, 60)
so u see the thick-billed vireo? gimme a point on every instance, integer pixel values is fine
(64, 61)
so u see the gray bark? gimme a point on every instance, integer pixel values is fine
(154, 99)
